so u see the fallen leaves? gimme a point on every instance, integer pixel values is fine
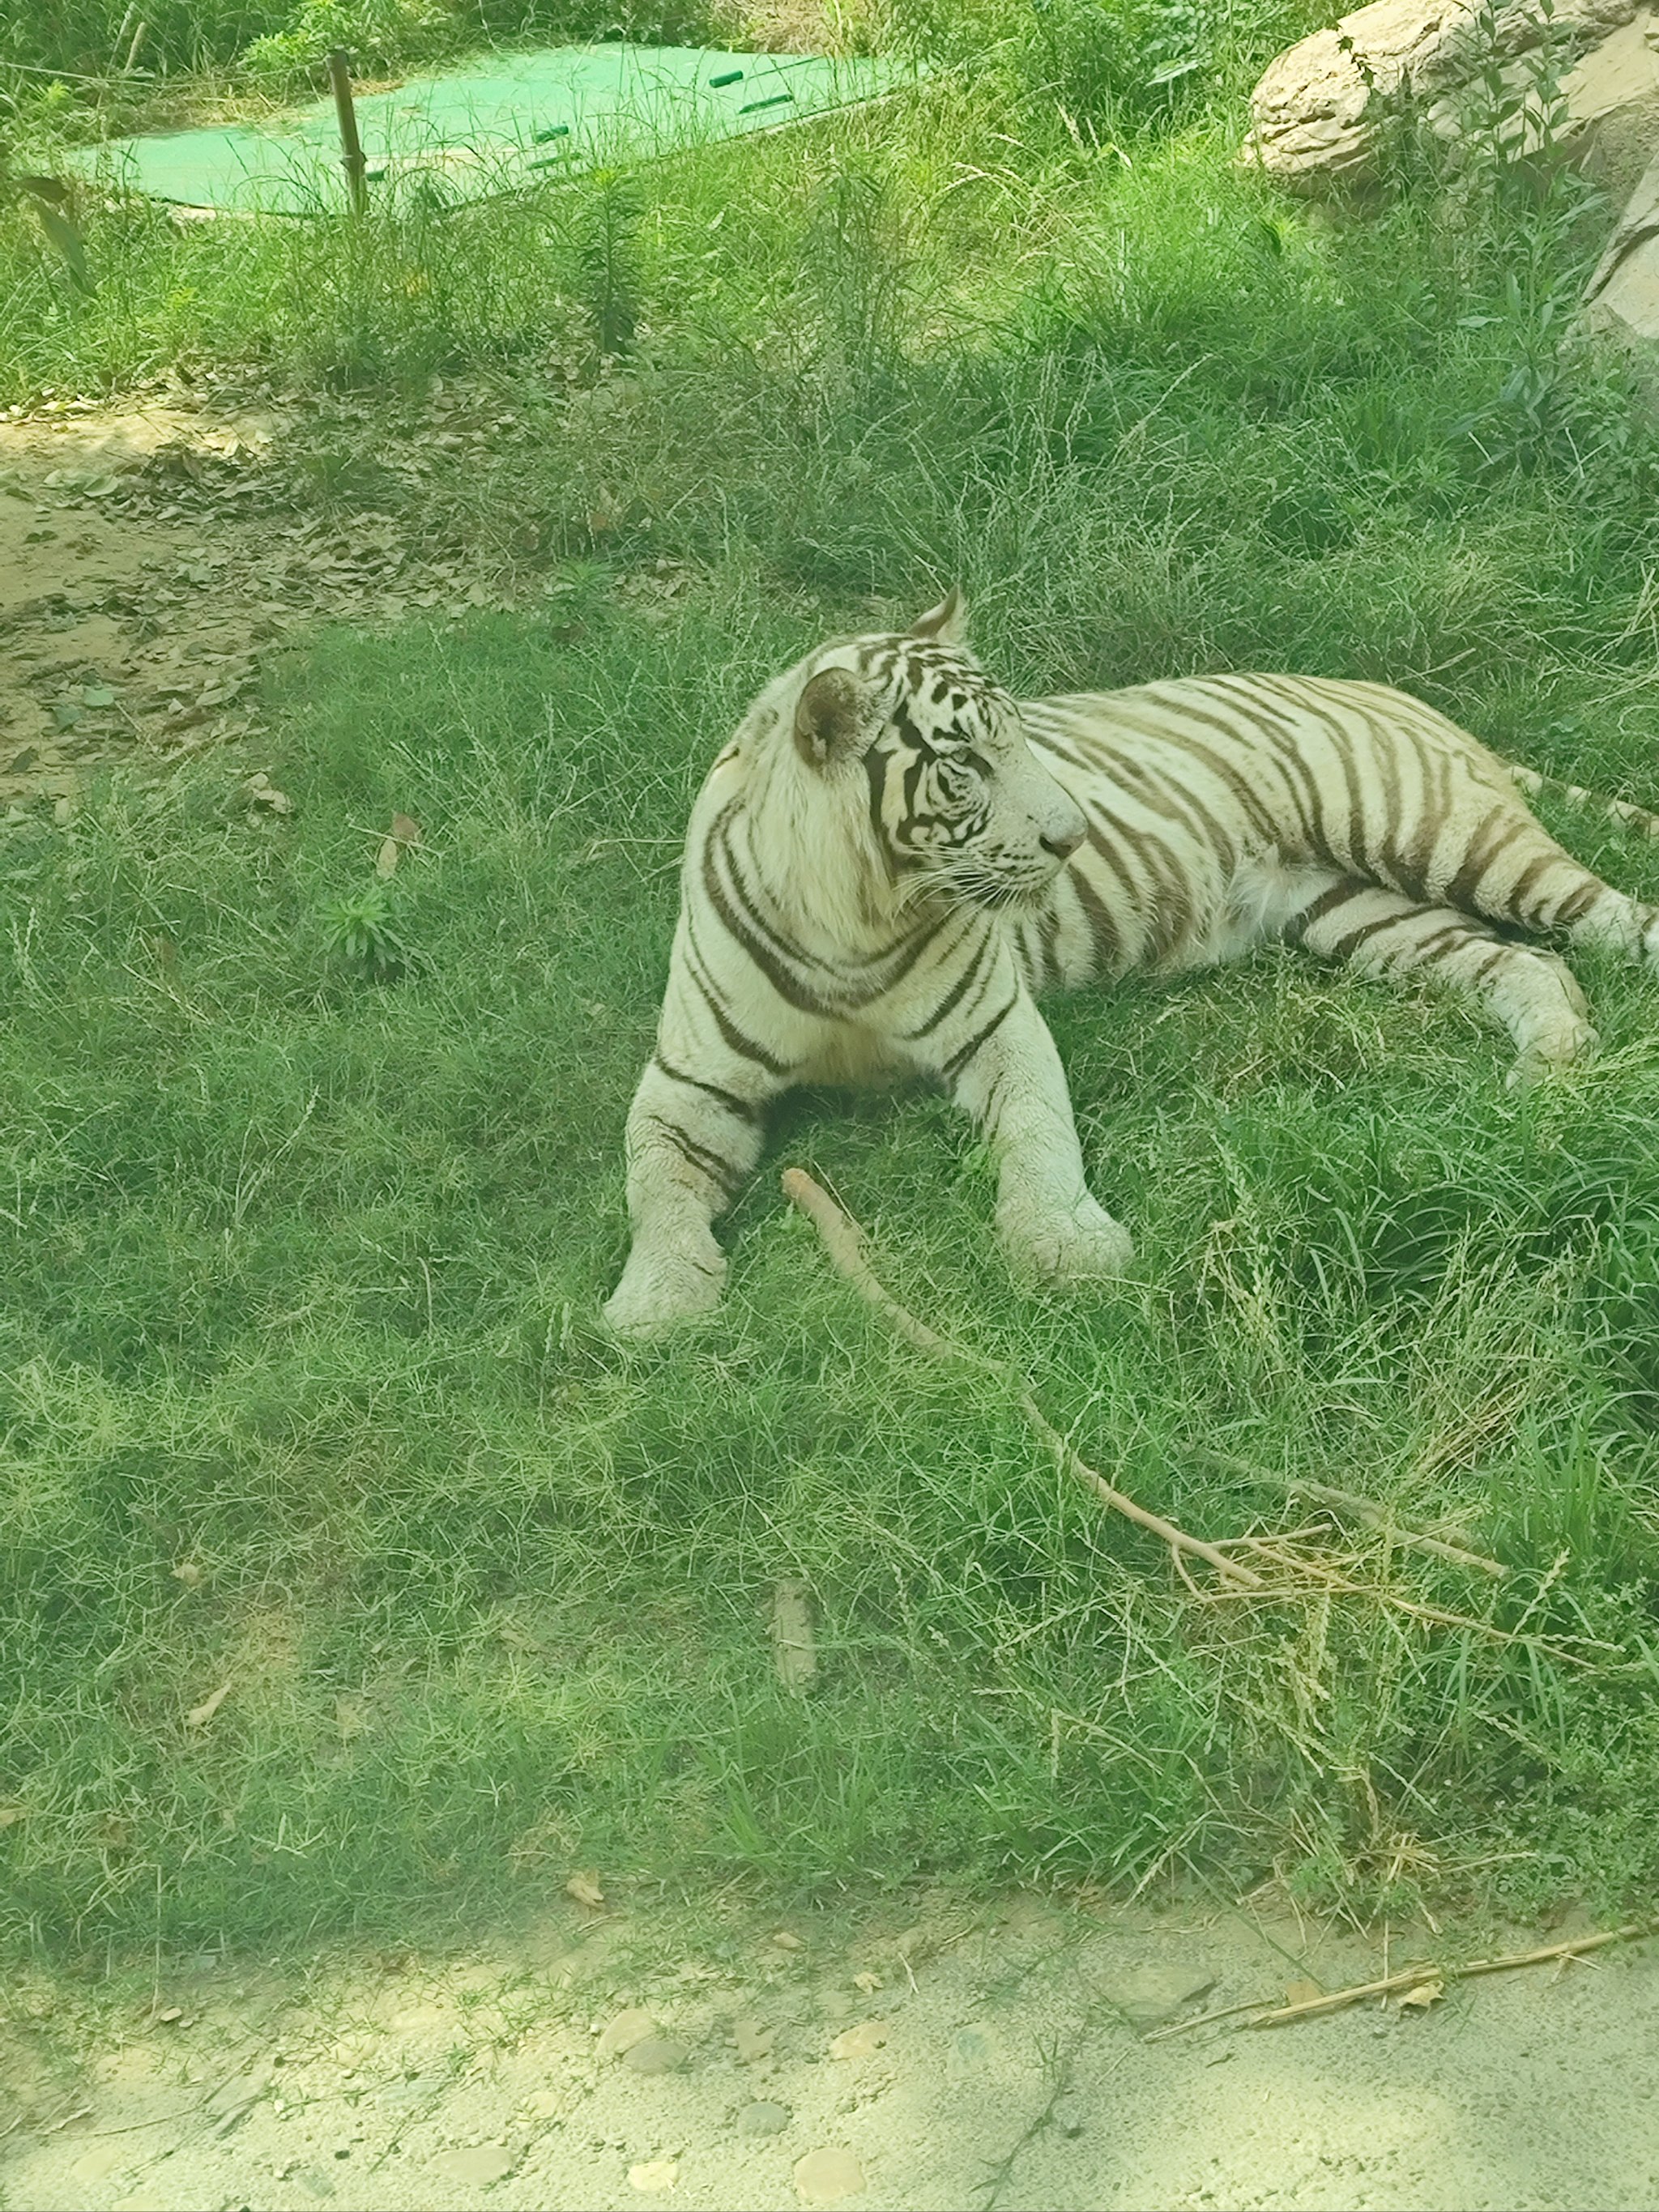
(404, 830)
(861, 2042)
(1427, 1992)
(264, 793)
(199, 1716)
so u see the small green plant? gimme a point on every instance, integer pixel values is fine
(607, 262)
(359, 934)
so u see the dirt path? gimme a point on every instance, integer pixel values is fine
(994, 2058)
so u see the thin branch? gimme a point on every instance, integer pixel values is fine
(1350, 1502)
(1332, 1579)
(1410, 1978)
(843, 1240)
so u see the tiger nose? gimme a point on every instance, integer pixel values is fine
(1063, 846)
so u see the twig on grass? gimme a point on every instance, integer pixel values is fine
(1265, 1548)
(1408, 1978)
(843, 1240)
(1350, 1502)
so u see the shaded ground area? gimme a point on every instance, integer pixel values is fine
(991, 2058)
(152, 555)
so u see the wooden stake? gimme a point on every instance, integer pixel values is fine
(351, 150)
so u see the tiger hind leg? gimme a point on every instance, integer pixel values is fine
(1515, 872)
(1530, 992)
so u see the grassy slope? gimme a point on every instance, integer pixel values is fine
(301, 1274)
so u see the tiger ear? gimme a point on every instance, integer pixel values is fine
(947, 623)
(831, 717)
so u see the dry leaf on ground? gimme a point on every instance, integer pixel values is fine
(860, 2041)
(199, 1716)
(585, 1888)
(1427, 1992)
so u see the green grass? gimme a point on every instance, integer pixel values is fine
(300, 1271)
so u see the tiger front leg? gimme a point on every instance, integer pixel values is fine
(692, 1142)
(1008, 1077)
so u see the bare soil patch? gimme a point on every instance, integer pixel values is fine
(910, 2057)
(153, 556)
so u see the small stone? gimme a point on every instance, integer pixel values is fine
(652, 2176)
(625, 2030)
(1149, 1995)
(398, 2096)
(763, 2119)
(828, 2177)
(475, 2167)
(102, 2160)
(657, 2054)
(544, 2104)
(861, 2041)
(787, 1940)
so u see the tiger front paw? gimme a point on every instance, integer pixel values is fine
(661, 1287)
(1084, 1245)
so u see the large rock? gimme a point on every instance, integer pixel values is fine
(1612, 101)
(1621, 299)
(1313, 121)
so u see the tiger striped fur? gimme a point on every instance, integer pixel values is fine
(892, 858)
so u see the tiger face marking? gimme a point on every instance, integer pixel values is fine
(958, 804)
(894, 857)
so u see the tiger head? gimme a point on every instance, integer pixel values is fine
(954, 799)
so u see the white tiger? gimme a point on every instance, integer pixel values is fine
(893, 857)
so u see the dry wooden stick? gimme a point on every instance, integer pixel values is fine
(843, 1240)
(1632, 1932)
(1411, 1978)
(1361, 1509)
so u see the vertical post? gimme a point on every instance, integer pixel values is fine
(351, 151)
